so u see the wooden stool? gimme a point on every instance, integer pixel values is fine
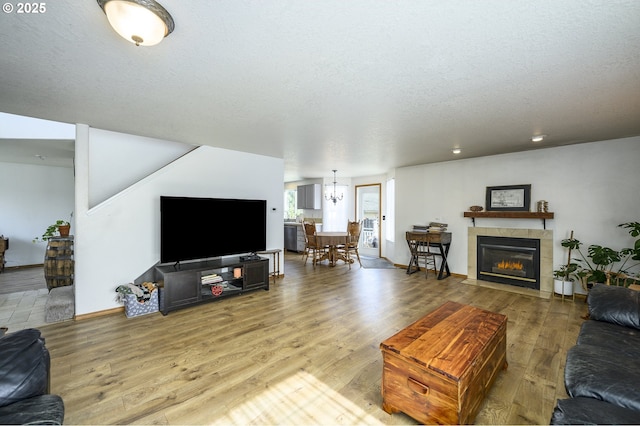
(276, 261)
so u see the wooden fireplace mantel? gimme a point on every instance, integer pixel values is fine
(510, 215)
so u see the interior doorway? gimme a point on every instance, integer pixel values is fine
(368, 210)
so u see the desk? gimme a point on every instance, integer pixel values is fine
(439, 240)
(332, 240)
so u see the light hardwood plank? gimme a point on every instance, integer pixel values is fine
(304, 352)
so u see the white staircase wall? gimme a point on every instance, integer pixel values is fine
(118, 161)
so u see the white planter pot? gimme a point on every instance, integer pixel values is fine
(577, 288)
(563, 287)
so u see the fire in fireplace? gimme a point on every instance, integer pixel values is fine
(513, 261)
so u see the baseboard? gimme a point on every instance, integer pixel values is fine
(99, 313)
(15, 268)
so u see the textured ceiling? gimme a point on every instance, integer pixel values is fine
(358, 86)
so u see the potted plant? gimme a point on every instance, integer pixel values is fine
(594, 266)
(571, 270)
(603, 260)
(604, 264)
(60, 227)
(563, 279)
(630, 253)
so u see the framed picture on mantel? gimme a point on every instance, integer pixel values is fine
(511, 198)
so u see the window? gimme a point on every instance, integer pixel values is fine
(290, 203)
(391, 210)
(334, 216)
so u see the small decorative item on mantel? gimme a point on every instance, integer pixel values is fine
(543, 206)
(476, 208)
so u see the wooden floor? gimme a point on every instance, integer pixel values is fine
(304, 352)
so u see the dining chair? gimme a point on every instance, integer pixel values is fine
(353, 229)
(311, 243)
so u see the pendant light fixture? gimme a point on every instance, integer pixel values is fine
(143, 22)
(334, 195)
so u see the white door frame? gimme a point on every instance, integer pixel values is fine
(367, 246)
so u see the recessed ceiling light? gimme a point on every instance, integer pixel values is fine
(538, 138)
(456, 150)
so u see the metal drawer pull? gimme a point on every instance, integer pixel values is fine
(416, 386)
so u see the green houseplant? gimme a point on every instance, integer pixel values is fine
(595, 265)
(603, 264)
(563, 276)
(631, 253)
(603, 260)
(60, 227)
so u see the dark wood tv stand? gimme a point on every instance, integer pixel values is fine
(182, 285)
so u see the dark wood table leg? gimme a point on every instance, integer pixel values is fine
(444, 251)
(414, 259)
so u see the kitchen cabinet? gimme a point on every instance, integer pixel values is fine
(294, 237)
(309, 196)
(290, 237)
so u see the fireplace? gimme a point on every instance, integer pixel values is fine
(545, 273)
(507, 260)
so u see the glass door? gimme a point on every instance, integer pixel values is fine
(368, 212)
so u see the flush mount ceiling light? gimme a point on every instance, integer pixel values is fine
(456, 150)
(538, 138)
(143, 22)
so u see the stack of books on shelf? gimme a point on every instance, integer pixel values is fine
(431, 227)
(210, 279)
(437, 227)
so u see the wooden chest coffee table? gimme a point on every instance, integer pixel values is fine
(439, 369)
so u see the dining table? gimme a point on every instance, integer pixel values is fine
(333, 240)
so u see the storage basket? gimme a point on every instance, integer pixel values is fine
(133, 308)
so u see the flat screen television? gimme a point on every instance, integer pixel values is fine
(201, 228)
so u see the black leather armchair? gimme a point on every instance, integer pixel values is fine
(24, 381)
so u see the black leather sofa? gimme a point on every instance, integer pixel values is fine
(24, 381)
(602, 373)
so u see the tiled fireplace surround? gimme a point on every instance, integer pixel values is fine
(546, 258)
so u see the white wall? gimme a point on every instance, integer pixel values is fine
(32, 198)
(590, 187)
(137, 157)
(20, 127)
(119, 239)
